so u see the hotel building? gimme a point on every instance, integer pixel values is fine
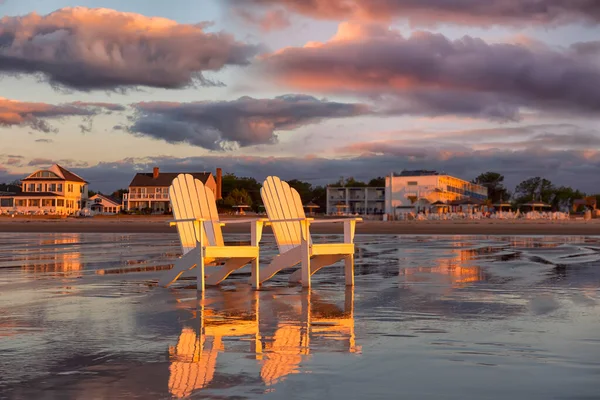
(405, 189)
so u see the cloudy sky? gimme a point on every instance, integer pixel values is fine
(306, 89)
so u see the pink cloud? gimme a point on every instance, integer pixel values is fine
(429, 74)
(431, 12)
(35, 114)
(271, 20)
(89, 49)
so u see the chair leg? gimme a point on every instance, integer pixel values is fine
(200, 272)
(255, 274)
(185, 263)
(305, 265)
(349, 270)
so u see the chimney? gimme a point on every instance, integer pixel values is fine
(219, 183)
(155, 173)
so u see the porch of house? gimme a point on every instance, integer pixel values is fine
(38, 205)
(157, 207)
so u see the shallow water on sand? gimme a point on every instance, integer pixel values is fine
(430, 317)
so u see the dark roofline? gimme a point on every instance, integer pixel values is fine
(144, 179)
(33, 194)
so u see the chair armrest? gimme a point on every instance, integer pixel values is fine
(290, 220)
(242, 221)
(178, 221)
(338, 220)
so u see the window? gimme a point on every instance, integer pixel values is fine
(412, 183)
(45, 174)
(38, 187)
(70, 187)
(52, 187)
(21, 203)
(34, 202)
(60, 203)
(31, 187)
(81, 189)
(6, 202)
(59, 188)
(47, 202)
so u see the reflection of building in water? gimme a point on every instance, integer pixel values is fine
(453, 269)
(194, 358)
(50, 257)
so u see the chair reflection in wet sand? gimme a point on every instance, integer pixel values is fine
(291, 341)
(194, 358)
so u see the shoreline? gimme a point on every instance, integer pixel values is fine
(160, 225)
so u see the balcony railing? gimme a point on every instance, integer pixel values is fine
(148, 196)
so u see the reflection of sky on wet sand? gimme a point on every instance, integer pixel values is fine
(430, 317)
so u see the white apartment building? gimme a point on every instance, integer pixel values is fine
(403, 190)
(355, 200)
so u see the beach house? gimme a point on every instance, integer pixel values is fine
(101, 204)
(55, 190)
(408, 188)
(150, 191)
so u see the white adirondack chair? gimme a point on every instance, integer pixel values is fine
(199, 228)
(292, 233)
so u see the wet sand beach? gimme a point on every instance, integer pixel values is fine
(159, 224)
(430, 317)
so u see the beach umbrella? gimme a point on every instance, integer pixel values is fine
(241, 207)
(311, 207)
(535, 204)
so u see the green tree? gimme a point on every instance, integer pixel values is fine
(534, 189)
(92, 193)
(118, 194)
(319, 197)
(351, 182)
(377, 182)
(305, 190)
(494, 182)
(564, 197)
(231, 182)
(238, 197)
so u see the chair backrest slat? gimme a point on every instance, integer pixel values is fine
(212, 216)
(189, 199)
(283, 203)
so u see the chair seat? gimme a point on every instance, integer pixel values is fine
(231, 251)
(332, 248)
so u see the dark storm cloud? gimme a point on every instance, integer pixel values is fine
(587, 48)
(87, 49)
(242, 122)
(429, 74)
(575, 168)
(431, 12)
